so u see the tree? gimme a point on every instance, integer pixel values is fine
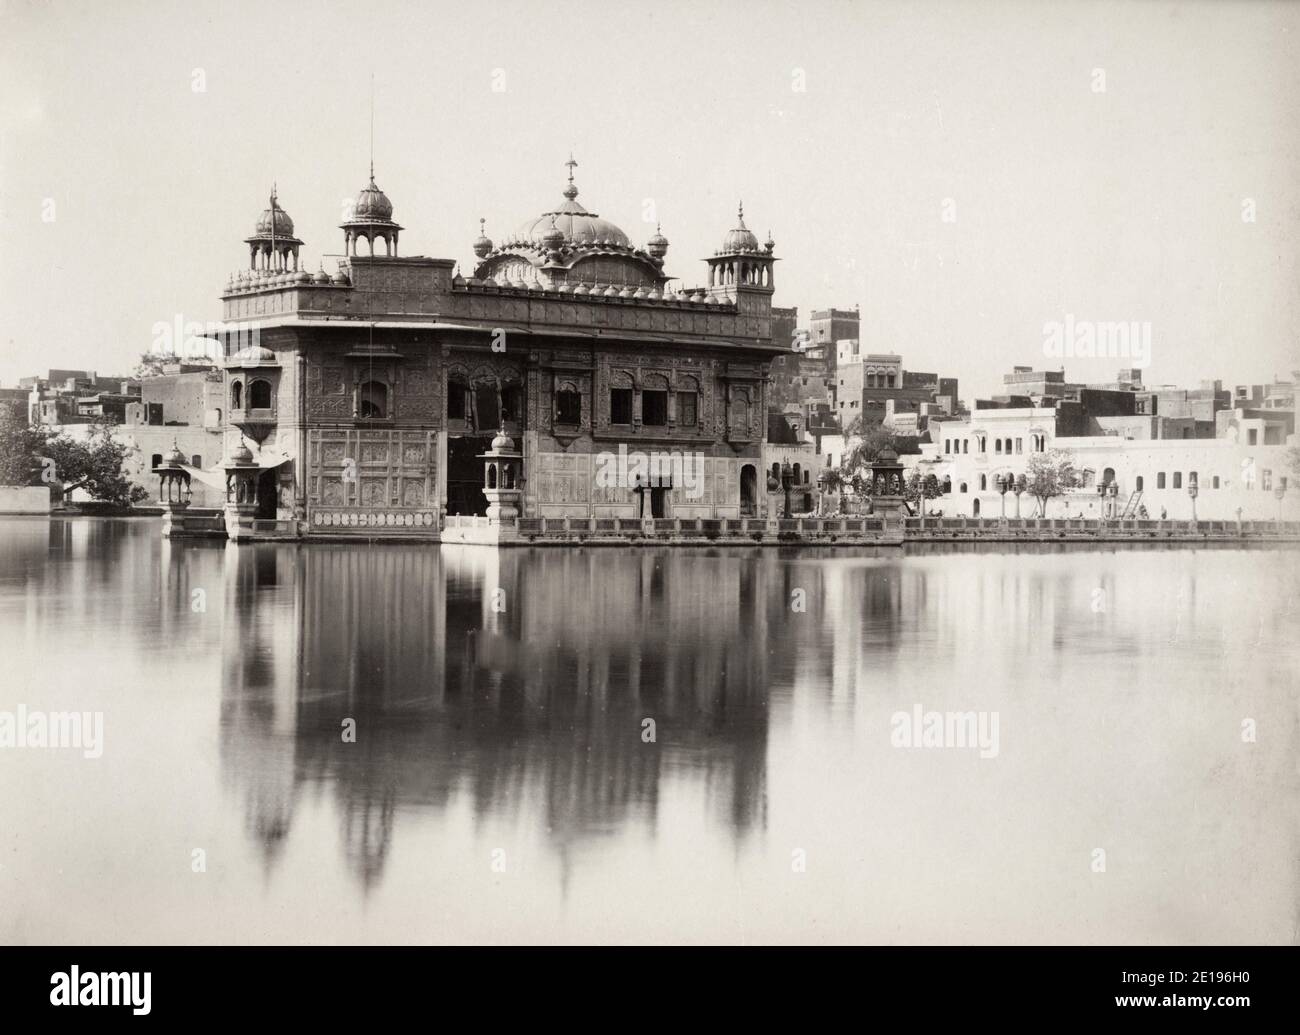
(870, 442)
(1050, 474)
(21, 449)
(921, 487)
(94, 465)
(1293, 461)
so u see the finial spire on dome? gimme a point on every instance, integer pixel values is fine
(740, 213)
(571, 191)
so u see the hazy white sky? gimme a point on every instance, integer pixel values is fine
(1117, 205)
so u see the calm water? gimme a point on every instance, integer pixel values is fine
(500, 788)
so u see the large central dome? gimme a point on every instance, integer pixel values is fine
(579, 227)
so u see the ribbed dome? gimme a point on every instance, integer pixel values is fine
(658, 244)
(580, 228)
(283, 224)
(741, 239)
(371, 205)
(174, 457)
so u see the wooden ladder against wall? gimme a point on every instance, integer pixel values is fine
(1130, 508)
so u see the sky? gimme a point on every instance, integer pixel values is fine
(967, 173)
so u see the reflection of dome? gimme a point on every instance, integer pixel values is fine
(483, 243)
(741, 239)
(283, 224)
(371, 205)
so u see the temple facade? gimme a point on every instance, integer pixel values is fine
(375, 397)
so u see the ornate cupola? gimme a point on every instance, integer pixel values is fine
(273, 247)
(741, 263)
(370, 218)
(657, 246)
(482, 243)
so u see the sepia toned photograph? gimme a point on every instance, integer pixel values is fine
(708, 473)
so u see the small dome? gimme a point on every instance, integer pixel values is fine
(340, 278)
(503, 443)
(283, 224)
(582, 289)
(303, 277)
(482, 243)
(321, 277)
(253, 356)
(658, 244)
(741, 239)
(174, 457)
(371, 205)
(553, 238)
(241, 454)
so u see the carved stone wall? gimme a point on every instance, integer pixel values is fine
(383, 471)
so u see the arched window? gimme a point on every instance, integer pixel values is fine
(805, 477)
(798, 477)
(492, 476)
(984, 482)
(1108, 476)
(1160, 480)
(963, 486)
(947, 485)
(776, 472)
(236, 395)
(259, 395)
(997, 445)
(568, 406)
(512, 398)
(1178, 479)
(947, 445)
(1215, 484)
(373, 400)
(965, 446)
(1139, 483)
(457, 392)
(196, 461)
(155, 460)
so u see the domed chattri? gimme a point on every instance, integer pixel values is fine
(272, 245)
(370, 219)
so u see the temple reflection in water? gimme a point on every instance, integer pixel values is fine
(501, 675)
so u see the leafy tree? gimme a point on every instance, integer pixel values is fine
(21, 449)
(1050, 474)
(920, 487)
(95, 466)
(871, 440)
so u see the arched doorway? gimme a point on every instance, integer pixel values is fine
(748, 491)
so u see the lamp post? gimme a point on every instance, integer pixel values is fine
(1278, 493)
(1004, 484)
(787, 480)
(1192, 491)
